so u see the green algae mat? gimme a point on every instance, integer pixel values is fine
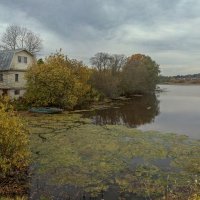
(73, 158)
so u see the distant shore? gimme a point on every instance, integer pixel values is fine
(180, 83)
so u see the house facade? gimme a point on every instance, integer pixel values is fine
(13, 65)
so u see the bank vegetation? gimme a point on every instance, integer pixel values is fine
(68, 83)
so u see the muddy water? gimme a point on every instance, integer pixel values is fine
(176, 110)
(179, 111)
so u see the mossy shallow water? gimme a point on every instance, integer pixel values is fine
(72, 157)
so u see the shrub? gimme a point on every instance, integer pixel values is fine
(13, 140)
(59, 82)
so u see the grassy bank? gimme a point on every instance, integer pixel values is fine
(71, 157)
(69, 150)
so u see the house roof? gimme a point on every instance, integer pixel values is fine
(6, 57)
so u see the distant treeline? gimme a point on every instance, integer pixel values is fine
(187, 79)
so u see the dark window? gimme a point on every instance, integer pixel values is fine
(17, 92)
(25, 59)
(19, 59)
(5, 92)
(1, 77)
(22, 59)
(16, 77)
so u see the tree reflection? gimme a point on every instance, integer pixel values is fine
(140, 110)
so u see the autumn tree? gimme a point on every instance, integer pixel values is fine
(140, 74)
(106, 73)
(58, 81)
(13, 140)
(20, 37)
(105, 83)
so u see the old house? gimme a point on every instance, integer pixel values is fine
(13, 65)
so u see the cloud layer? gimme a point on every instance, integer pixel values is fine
(168, 31)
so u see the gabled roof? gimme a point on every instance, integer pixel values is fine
(6, 57)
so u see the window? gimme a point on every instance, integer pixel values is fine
(17, 92)
(19, 59)
(16, 77)
(1, 77)
(25, 59)
(22, 59)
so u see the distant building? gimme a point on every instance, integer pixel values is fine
(13, 65)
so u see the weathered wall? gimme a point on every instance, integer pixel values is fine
(9, 80)
(9, 76)
(11, 93)
(21, 66)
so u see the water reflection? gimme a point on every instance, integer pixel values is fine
(179, 111)
(141, 110)
(175, 110)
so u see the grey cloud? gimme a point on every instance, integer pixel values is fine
(127, 26)
(67, 16)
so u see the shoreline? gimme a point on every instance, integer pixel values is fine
(169, 83)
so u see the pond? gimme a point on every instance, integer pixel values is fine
(176, 110)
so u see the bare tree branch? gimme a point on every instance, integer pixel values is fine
(32, 42)
(20, 37)
(9, 38)
(105, 61)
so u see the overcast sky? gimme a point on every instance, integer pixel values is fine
(166, 30)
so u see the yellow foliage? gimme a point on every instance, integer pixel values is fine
(195, 197)
(136, 57)
(57, 82)
(13, 140)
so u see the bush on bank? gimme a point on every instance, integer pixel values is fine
(13, 141)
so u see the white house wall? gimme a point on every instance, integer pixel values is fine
(9, 80)
(21, 66)
(12, 94)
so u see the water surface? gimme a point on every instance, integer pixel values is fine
(179, 111)
(175, 110)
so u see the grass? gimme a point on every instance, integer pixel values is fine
(69, 150)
